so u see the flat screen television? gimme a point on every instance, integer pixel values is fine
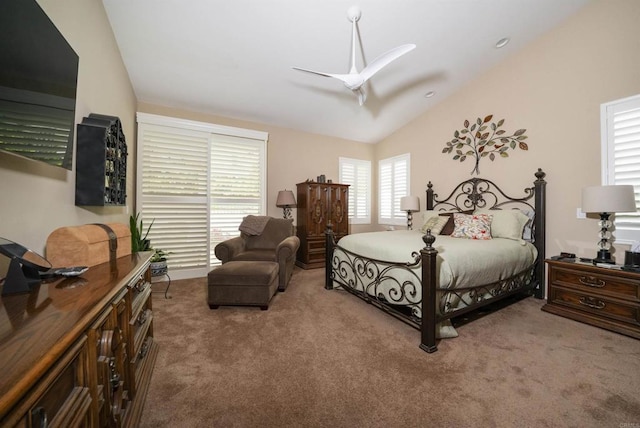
(38, 78)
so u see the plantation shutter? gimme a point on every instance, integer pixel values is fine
(196, 182)
(393, 184)
(238, 177)
(357, 174)
(621, 158)
(174, 184)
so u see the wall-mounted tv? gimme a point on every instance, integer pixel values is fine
(38, 77)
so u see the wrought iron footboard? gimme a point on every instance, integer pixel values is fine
(396, 288)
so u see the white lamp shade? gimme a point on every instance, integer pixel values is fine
(409, 203)
(608, 199)
(285, 199)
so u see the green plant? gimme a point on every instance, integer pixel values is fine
(159, 256)
(484, 144)
(139, 240)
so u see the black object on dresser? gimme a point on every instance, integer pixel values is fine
(101, 162)
(606, 297)
(319, 204)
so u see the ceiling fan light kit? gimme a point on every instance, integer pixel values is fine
(355, 80)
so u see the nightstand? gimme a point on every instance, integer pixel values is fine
(604, 297)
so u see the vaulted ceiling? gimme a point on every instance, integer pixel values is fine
(235, 58)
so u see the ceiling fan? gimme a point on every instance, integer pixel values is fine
(355, 80)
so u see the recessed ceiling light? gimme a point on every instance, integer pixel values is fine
(429, 94)
(502, 42)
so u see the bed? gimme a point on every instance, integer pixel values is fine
(425, 278)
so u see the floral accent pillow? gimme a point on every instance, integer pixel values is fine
(472, 226)
(448, 228)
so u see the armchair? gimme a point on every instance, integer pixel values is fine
(275, 243)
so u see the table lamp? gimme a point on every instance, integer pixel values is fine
(410, 204)
(286, 201)
(606, 200)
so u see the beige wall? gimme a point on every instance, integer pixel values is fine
(38, 198)
(553, 88)
(292, 156)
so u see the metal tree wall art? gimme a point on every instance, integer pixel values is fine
(484, 139)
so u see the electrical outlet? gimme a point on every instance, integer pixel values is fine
(580, 214)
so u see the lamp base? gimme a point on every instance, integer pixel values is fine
(286, 213)
(604, 256)
(409, 220)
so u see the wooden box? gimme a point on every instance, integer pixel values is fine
(86, 245)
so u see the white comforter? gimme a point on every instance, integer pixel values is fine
(461, 262)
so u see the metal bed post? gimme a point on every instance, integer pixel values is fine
(539, 234)
(429, 283)
(328, 281)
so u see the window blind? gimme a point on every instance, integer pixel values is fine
(238, 177)
(393, 184)
(357, 174)
(196, 182)
(173, 180)
(621, 160)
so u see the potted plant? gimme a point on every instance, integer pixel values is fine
(141, 242)
(139, 237)
(158, 262)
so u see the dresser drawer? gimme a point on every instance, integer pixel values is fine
(597, 305)
(66, 400)
(595, 283)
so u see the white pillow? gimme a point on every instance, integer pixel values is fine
(506, 223)
(426, 215)
(435, 224)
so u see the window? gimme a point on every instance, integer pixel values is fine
(621, 157)
(393, 183)
(357, 174)
(196, 181)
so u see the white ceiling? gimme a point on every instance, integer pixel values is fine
(233, 58)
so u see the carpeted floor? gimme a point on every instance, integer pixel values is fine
(321, 358)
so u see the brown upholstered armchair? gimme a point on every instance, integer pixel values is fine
(276, 242)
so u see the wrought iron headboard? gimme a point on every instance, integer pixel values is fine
(480, 193)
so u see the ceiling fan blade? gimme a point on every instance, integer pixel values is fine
(341, 77)
(351, 80)
(384, 60)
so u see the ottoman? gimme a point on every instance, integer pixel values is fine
(250, 283)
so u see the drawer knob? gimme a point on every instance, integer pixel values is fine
(592, 302)
(592, 281)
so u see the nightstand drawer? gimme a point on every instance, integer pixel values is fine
(597, 305)
(595, 283)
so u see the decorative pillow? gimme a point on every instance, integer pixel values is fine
(472, 226)
(426, 215)
(506, 223)
(435, 224)
(448, 228)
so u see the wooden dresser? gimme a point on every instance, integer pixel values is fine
(603, 297)
(318, 204)
(79, 351)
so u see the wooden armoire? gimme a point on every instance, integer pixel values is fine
(317, 204)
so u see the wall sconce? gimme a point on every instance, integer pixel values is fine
(410, 204)
(286, 201)
(606, 200)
